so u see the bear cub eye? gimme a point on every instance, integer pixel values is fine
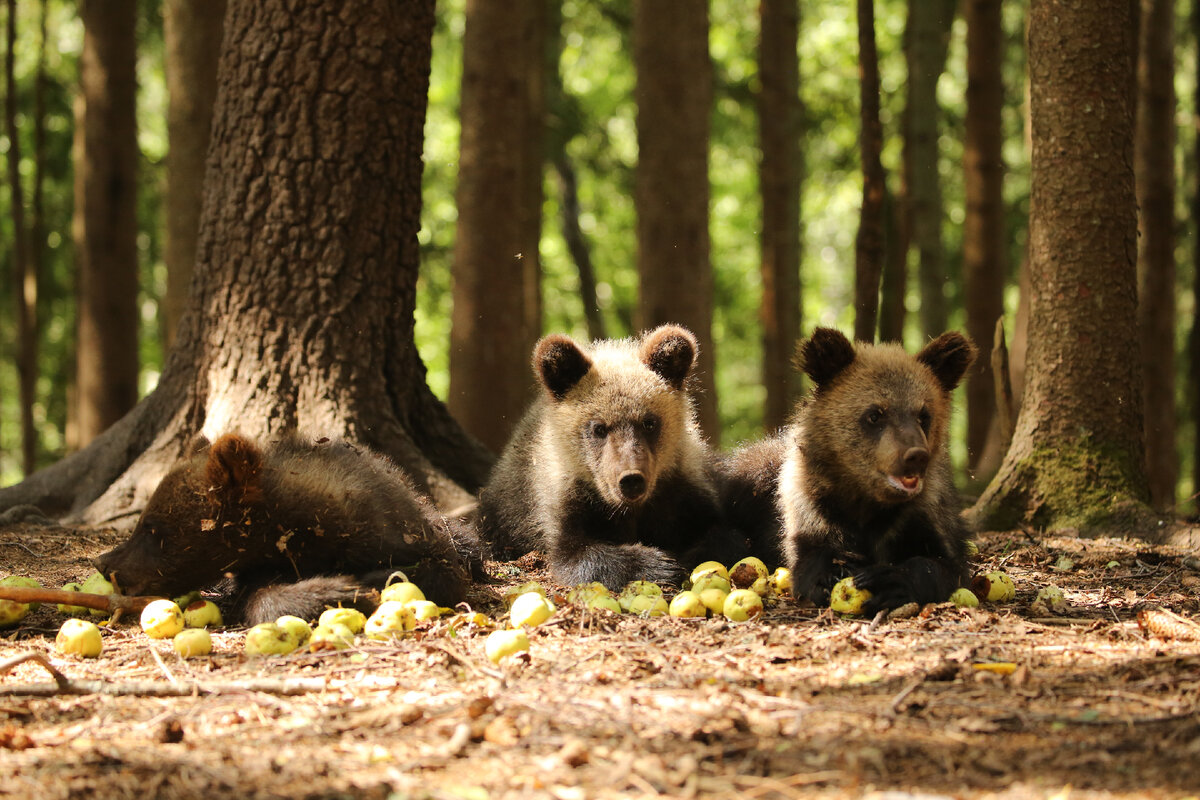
(873, 418)
(598, 430)
(650, 423)
(925, 420)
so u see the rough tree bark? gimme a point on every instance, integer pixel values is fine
(1077, 459)
(780, 172)
(24, 272)
(106, 191)
(301, 313)
(674, 103)
(927, 39)
(1194, 333)
(985, 261)
(192, 33)
(869, 245)
(496, 271)
(1154, 166)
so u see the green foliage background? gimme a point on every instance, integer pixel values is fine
(596, 117)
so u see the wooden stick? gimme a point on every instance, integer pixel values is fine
(112, 603)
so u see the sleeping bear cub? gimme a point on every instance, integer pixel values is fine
(607, 472)
(859, 483)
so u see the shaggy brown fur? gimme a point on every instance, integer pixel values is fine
(607, 472)
(863, 481)
(298, 525)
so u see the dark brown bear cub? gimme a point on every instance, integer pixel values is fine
(299, 525)
(864, 484)
(607, 472)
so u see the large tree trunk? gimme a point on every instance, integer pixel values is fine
(985, 255)
(780, 173)
(1194, 333)
(24, 271)
(869, 245)
(106, 186)
(192, 33)
(927, 40)
(1155, 170)
(1077, 459)
(497, 306)
(301, 312)
(674, 102)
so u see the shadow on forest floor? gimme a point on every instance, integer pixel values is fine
(799, 703)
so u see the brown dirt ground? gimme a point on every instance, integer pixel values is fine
(798, 703)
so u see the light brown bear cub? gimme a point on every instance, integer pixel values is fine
(607, 472)
(298, 525)
(861, 477)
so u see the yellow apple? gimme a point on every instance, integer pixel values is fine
(191, 642)
(531, 609)
(503, 643)
(298, 630)
(846, 598)
(742, 605)
(745, 572)
(162, 619)
(78, 637)
(352, 618)
(401, 592)
(202, 614)
(687, 604)
(268, 639)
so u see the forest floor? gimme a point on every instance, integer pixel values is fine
(799, 703)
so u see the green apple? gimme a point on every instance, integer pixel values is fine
(12, 612)
(742, 605)
(97, 584)
(584, 592)
(530, 609)
(503, 643)
(687, 604)
(707, 568)
(424, 609)
(713, 599)
(711, 580)
(635, 589)
(390, 620)
(191, 642)
(334, 636)
(298, 630)
(781, 581)
(268, 639)
(162, 619)
(994, 586)
(69, 609)
(352, 618)
(604, 602)
(648, 605)
(846, 598)
(964, 597)
(78, 637)
(401, 592)
(22, 582)
(202, 614)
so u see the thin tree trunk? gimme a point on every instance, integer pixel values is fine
(497, 301)
(674, 101)
(192, 33)
(927, 40)
(893, 283)
(985, 258)
(32, 287)
(869, 244)
(780, 173)
(1194, 333)
(24, 276)
(107, 342)
(1078, 459)
(1155, 169)
(577, 243)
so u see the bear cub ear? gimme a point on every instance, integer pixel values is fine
(670, 351)
(559, 364)
(234, 469)
(824, 355)
(949, 356)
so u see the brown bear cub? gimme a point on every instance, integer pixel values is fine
(298, 525)
(607, 473)
(862, 474)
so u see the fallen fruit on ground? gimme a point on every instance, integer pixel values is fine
(846, 598)
(707, 568)
(648, 606)
(162, 619)
(605, 602)
(994, 586)
(504, 643)
(744, 573)
(335, 636)
(583, 593)
(69, 609)
(713, 599)
(192, 642)
(352, 618)
(510, 595)
(22, 582)
(401, 592)
(298, 630)
(711, 581)
(202, 614)
(687, 604)
(424, 609)
(781, 580)
(78, 637)
(391, 620)
(1049, 599)
(742, 605)
(268, 639)
(530, 608)
(964, 597)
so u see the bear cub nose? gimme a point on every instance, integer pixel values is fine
(915, 460)
(632, 484)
